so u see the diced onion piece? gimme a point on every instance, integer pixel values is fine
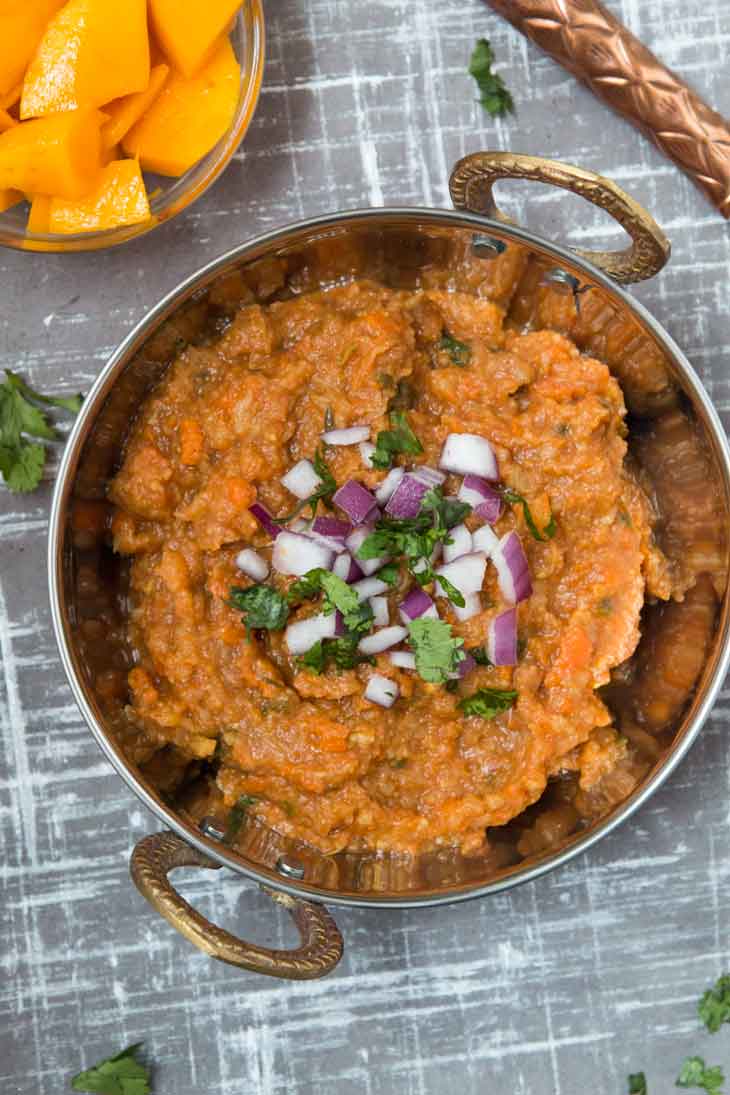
(302, 480)
(429, 475)
(381, 615)
(463, 668)
(265, 519)
(356, 500)
(472, 607)
(369, 587)
(417, 603)
(366, 451)
(382, 639)
(354, 542)
(483, 498)
(469, 454)
(502, 638)
(346, 568)
(485, 539)
(462, 543)
(295, 554)
(512, 570)
(389, 484)
(466, 572)
(252, 564)
(337, 546)
(381, 690)
(406, 499)
(353, 435)
(403, 659)
(302, 635)
(332, 527)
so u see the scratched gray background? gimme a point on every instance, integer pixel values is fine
(559, 988)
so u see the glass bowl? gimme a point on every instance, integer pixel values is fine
(168, 196)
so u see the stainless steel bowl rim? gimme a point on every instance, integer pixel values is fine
(198, 280)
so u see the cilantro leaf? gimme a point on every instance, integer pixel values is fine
(262, 607)
(637, 1084)
(390, 573)
(516, 499)
(447, 512)
(459, 352)
(237, 815)
(17, 416)
(437, 651)
(120, 1075)
(22, 465)
(714, 1007)
(695, 1073)
(487, 702)
(450, 590)
(71, 403)
(494, 96)
(342, 653)
(306, 587)
(479, 655)
(400, 438)
(22, 461)
(338, 597)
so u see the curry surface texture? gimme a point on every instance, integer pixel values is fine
(321, 762)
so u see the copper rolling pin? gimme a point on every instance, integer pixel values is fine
(601, 52)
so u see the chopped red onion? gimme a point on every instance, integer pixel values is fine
(466, 572)
(512, 570)
(356, 500)
(428, 475)
(381, 690)
(332, 528)
(469, 454)
(302, 635)
(382, 639)
(407, 497)
(485, 539)
(463, 668)
(346, 568)
(462, 543)
(381, 615)
(354, 542)
(337, 546)
(252, 564)
(302, 480)
(265, 519)
(353, 435)
(389, 484)
(404, 659)
(472, 607)
(417, 603)
(295, 554)
(482, 497)
(502, 638)
(366, 451)
(369, 587)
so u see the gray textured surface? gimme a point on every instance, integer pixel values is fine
(558, 988)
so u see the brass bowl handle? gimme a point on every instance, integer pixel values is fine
(321, 947)
(472, 184)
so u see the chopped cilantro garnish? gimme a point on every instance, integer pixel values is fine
(695, 1073)
(447, 512)
(459, 352)
(323, 493)
(262, 607)
(516, 499)
(119, 1075)
(342, 653)
(237, 814)
(437, 651)
(479, 655)
(390, 573)
(400, 438)
(22, 460)
(450, 590)
(714, 1007)
(338, 596)
(493, 95)
(487, 702)
(637, 1084)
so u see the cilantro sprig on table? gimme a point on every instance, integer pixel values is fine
(21, 459)
(400, 438)
(493, 94)
(695, 1073)
(119, 1075)
(714, 1006)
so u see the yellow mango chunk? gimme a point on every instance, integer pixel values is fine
(188, 30)
(6, 120)
(9, 198)
(93, 51)
(119, 199)
(11, 97)
(22, 23)
(188, 117)
(60, 154)
(123, 113)
(40, 209)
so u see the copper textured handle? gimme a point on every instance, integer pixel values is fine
(472, 182)
(321, 948)
(587, 40)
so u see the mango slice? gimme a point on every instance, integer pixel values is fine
(9, 198)
(119, 199)
(59, 154)
(22, 23)
(6, 120)
(11, 98)
(188, 117)
(40, 210)
(93, 51)
(188, 30)
(123, 113)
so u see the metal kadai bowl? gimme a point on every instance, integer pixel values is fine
(677, 445)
